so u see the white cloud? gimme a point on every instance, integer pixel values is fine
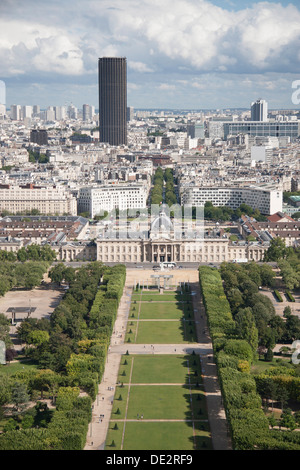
(166, 87)
(190, 43)
(208, 37)
(26, 48)
(197, 34)
(59, 55)
(139, 67)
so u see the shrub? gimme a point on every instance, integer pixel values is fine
(278, 296)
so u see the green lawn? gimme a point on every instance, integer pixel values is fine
(160, 436)
(17, 366)
(165, 297)
(159, 402)
(166, 369)
(163, 402)
(163, 388)
(165, 332)
(260, 365)
(172, 310)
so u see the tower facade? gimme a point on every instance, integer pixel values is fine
(113, 100)
(259, 111)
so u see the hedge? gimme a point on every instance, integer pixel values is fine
(289, 296)
(248, 424)
(278, 296)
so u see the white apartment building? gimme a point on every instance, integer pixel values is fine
(27, 111)
(267, 201)
(96, 200)
(259, 110)
(47, 200)
(15, 112)
(261, 153)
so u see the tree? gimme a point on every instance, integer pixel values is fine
(69, 274)
(269, 355)
(5, 389)
(278, 326)
(248, 288)
(292, 328)
(267, 275)
(276, 250)
(287, 420)
(290, 275)
(38, 337)
(287, 311)
(57, 273)
(4, 330)
(282, 395)
(22, 255)
(19, 396)
(246, 327)
(235, 299)
(253, 271)
(46, 380)
(10, 354)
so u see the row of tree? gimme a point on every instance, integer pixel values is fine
(170, 194)
(70, 352)
(235, 338)
(225, 213)
(158, 187)
(32, 252)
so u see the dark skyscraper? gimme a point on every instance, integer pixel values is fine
(113, 100)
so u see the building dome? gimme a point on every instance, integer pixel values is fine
(162, 226)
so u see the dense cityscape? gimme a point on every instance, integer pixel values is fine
(149, 276)
(55, 164)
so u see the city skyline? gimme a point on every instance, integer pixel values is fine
(185, 54)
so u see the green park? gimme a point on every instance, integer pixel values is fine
(161, 318)
(159, 404)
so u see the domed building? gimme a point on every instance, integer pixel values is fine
(173, 240)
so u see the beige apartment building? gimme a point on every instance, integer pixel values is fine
(46, 199)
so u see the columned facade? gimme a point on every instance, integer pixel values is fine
(185, 251)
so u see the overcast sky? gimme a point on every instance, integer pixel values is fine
(188, 54)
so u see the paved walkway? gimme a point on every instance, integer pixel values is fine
(103, 404)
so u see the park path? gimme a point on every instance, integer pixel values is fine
(102, 406)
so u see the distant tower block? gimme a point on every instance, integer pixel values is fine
(113, 100)
(259, 111)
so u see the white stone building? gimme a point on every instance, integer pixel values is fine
(267, 201)
(97, 199)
